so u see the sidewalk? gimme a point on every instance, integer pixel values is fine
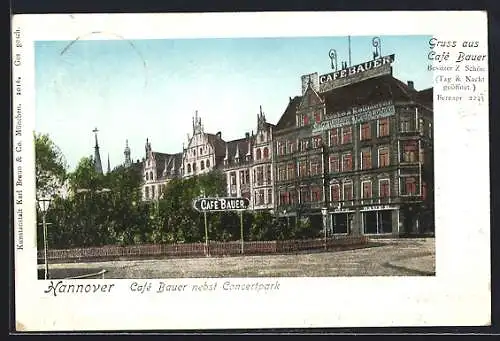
(425, 265)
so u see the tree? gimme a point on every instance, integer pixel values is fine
(85, 176)
(50, 165)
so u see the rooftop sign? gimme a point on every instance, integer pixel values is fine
(221, 204)
(356, 69)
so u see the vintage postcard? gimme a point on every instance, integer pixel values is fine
(250, 170)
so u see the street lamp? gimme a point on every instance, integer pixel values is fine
(287, 220)
(43, 205)
(324, 212)
(207, 251)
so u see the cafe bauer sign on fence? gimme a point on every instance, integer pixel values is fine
(356, 115)
(221, 204)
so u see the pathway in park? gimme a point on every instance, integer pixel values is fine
(393, 257)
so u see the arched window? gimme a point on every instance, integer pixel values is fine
(201, 151)
(189, 168)
(202, 165)
(266, 153)
(258, 154)
(150, 175)
(194, 166)
(208, 163)
(147, 176)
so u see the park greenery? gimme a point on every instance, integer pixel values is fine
(107, 209)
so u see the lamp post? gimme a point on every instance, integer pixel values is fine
(287, 220)
(43, 204)
(326, 186)
(207, 252)
(324, 212)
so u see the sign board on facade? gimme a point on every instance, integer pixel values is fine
(356, 69)
(357, 115)
(343, 210)
(221, 204)
(378, 208)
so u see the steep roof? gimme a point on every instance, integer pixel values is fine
(367, 91)
(242, 145)
(426, 96)
(287, 120)
(168, 160)
(218, 144)
(364, 92)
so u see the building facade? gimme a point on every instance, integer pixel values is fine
(262, 183)
(352, 154)
(357, 144)
(248, 166)
(202, 151)
(237, 165)
(157, 170)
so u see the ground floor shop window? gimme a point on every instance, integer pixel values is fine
(340, 223)
(377, 222)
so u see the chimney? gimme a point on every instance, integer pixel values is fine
(411, 85)
(219, 134)
(247, 135)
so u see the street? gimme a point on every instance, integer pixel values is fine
(385, 257)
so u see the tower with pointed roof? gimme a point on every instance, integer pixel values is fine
(97, 155)
(126, 152)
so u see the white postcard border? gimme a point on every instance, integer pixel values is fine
(459, 294)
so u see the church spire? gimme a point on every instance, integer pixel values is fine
(97, 155)
(128, 160)
(109, 166)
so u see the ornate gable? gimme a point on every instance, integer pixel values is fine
(310, 99)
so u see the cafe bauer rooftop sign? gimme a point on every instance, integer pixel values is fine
(356, 69)
(356, 73)
(221, 204)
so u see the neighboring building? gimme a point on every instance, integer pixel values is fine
(203, 152)
(236, 165)
(158, 169)
(358, 142)
(262, 169)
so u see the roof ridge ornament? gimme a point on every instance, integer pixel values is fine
(333, 57)
(377, 45)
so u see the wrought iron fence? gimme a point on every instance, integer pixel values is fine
(215, 248)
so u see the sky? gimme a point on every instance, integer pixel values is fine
(151, 88)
